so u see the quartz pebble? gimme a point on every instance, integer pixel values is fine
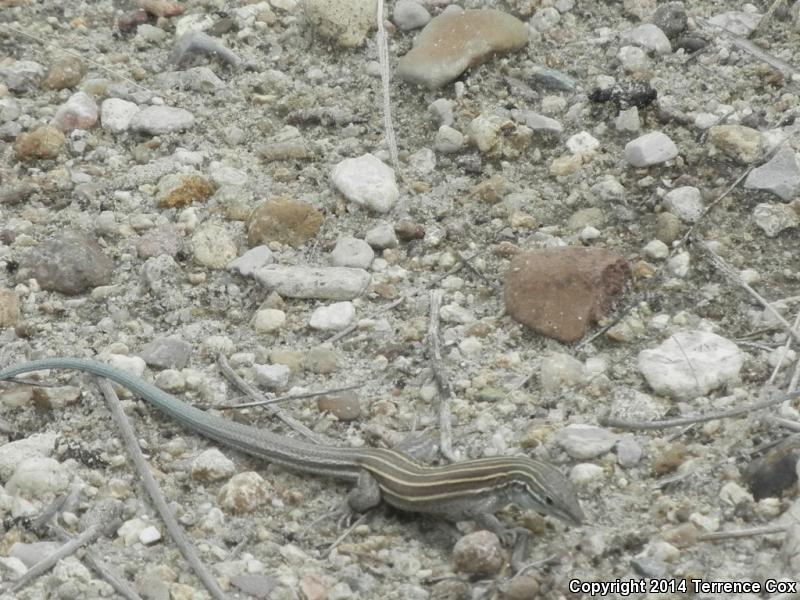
(381, 236)
(275, 377)
(780, 175)
(38, 477)
(213, 247)
(116, 114)
(367, 182)
(685, 203)
(268, 319)
(585, 441)
(691, 363)
(160, 120)
(650, 37)
(448, 140)
(559, 370)
(456, 40)
(13, 453)
(78, 112)
(772, 219)
(352, 252)
(331, 283)
(166, 352)
(650, 149)
(333, 317)
(251, 260)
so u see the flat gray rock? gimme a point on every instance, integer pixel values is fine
(780, 175)
(331, 283)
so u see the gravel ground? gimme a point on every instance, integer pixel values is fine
(650, 496)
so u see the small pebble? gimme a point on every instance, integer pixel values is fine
(213, 247)
(268, 320)
(737, 141)
(69, 262)
(212, 465)
(244, 493)
(345, 406)
(629, 452)
(650, 149)
(116, 114)
(691, 363)
(381, 236)
(367, 182)
(408, 15)
(45, 142)
(352, 252)
(78, 112)
(584, 442)
(161, 120)
(333, 317)
(448, 140)
(561, 292)
(772, 219)
(284, 220)
(559, 370)
(331, 283)
(780, 175)
(685, 202)
(650, 37)
(479, 554)
(37, 477)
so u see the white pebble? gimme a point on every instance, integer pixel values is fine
(333, 317)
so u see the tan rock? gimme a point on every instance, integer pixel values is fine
(9, 308)
(454, 41)
(283, 220)
(176, 190)
(561, 292)
(43, 142)
(737, 141)
(345, 22)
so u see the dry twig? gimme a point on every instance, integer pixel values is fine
(440, 375)
(253, 393)
(716, 536)
(383, 57)
(129, 437)
(679, 422)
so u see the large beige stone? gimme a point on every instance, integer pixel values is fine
(455, 41)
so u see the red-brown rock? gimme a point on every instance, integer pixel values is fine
(560, 292)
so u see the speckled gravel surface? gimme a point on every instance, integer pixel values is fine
(617, 126)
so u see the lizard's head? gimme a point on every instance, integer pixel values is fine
(540, 486)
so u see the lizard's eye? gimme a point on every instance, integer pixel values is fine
(548, 500)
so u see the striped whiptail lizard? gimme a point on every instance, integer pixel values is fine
(471, 489)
